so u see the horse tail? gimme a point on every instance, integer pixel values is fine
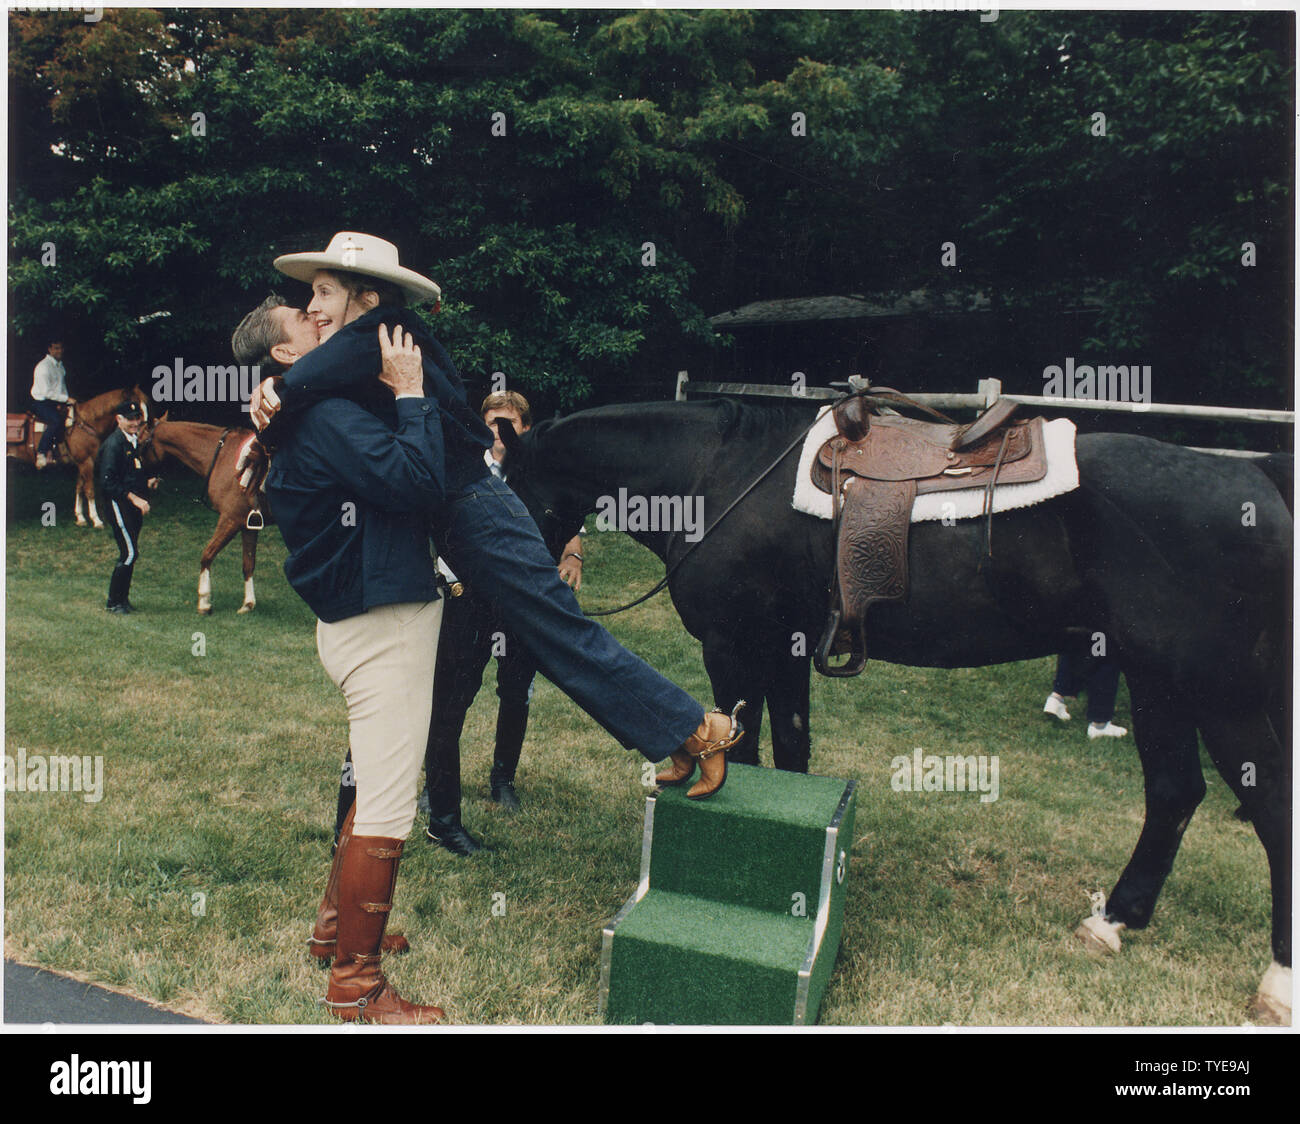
(1280, 469)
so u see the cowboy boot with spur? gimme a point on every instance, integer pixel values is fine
(708, 745)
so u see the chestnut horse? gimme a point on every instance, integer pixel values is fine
(90, 422)
(215, 454)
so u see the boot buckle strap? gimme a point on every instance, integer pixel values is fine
(384, 852)
(376, 907)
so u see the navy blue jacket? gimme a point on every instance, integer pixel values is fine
(352, 496)
(118, 469)
(349, 362)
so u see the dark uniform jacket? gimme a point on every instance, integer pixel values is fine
(118, 470)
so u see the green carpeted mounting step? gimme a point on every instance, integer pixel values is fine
(737, 916)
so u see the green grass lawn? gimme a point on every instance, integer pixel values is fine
(193, 882)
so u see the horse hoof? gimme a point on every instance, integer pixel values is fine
(1272, 1005)
(1099, 935)
(81, 522)
(205, 612)
(246, 608)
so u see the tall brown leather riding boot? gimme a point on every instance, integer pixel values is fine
(708, 745)
(357, 987)
(321, 942)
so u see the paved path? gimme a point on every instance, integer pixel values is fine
(33, 995)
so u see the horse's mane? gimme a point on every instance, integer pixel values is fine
(202, 427)
(748, 421)
(731, 419)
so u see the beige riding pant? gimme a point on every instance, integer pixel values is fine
(383, 660)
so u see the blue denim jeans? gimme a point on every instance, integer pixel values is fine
(52, 416)
(491, 541)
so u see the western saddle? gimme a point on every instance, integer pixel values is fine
(874, 467)
(23, 433)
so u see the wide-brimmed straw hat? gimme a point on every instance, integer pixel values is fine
(365, 254)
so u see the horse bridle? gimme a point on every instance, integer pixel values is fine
(145, 440)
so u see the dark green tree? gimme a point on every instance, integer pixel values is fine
(532, 162)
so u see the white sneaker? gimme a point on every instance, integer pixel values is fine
(1056, 707)
(1110, 730)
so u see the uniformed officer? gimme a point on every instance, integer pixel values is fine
(123, 482)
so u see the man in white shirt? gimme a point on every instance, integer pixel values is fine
(49, 394)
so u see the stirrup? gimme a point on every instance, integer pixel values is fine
(250, 525)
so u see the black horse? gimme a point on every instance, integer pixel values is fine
(1181, 559)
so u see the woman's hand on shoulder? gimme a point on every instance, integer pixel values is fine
(403, 370)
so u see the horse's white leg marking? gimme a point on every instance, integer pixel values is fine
(1100, 935)
(250, 599)
(78, 501)
(94, 517)
(205, 591)
(1272, 1006)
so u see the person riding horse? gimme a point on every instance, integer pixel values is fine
(49, 401)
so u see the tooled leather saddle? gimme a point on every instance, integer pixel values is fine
(875, 466)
